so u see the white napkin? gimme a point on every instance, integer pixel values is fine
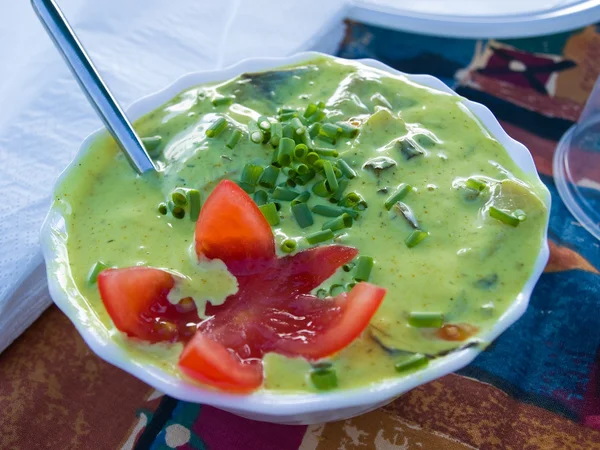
(138, 47)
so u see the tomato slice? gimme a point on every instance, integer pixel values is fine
(136, 300)
(232, 228)
(210, 362)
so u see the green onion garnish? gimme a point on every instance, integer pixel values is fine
(520, 214)
(476, 185)
(234, 138)
(336, 289)
(263, 123)
(193, 198)
(151, 144)
(426, 319)
(348, 131)
(313, 130)
(95, 271)
(250, 175)
(339, 192)
(178, 196)
(286, 150)
(364, 265)
(322, 293)
(288, 131)
(415, 238)
(220, 101)
(330, 175)
(178, 212)
(256, 134)
(411, 362)
(327, 152)
(330, 130)
(300, 151)
(504, 217)
(324, 379)
(350, 286)
(216, 127)
(261, 197)
(322, 137)
(287, 116)
(288, 246)
(346, 169)
(350, 200)
(302, 198)
(300, 168)
(281, 193)
(310, 110)
(269, 177)
(312, 158)
(327, 211)
(302, 215)
(269, 210)
(305, 139)
(321, 189)
(303, 179)
(282, 110)
(162, 208)
(298, 125)
(276, 134)
(348, 267)
(338, 223)
(317, 117)
(319, 236)
(401, 192)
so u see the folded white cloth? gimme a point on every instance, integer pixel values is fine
(139, 47)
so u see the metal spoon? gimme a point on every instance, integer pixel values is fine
(92, 85)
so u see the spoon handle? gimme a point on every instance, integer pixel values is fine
(92, 85)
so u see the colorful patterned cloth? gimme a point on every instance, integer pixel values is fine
(536, 387)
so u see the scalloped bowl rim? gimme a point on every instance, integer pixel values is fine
(272, 404)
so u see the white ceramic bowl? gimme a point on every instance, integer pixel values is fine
(280, 408)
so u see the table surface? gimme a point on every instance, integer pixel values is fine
(536, 387)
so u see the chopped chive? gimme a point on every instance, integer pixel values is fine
(216, 127)
(302, 215)
(303, 179)
(275, 157)
(338, 223)
(261, 197)
(268, 179)
(300, 168)
(220, 101)
(327, 211)
(401, 192)
(178, 196)
(95, 271)
(302, 198)
(325, 138)
(291, 173)
(288, 131)
(300, 151)
(327, 152)
(312, 158)
(162, 208)
(336, 289)
(263, 123)
(339, 192)
(330, 130)
(318, 165)
(351, 212)
(288, 246)
(285, 110)
(426, 319)
(310, 110)
(286, 150)
(322, 293)
(298, 125)
(476, 185)
(415, 238)
(305, 139)
(321, 189)
(348, 267)
(284, 194)
(317, 117)
(337, 172)
(330, 175)
(321, 105)
(287, 116)
(276, 134)
(364, 265)
(520, 214)
(348, 131)
(291, 183)
(346, 169)
(504, 217)
(350, 200)
(178, 212)
(319, 236)
(324, 379)
(151, 144)
(234, 138)
(313, 130)
(269, 210)
(251, 174)
(350, 286)
(256, 134)
(411, 362)
(193, 197)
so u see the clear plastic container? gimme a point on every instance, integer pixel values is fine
(576, 166)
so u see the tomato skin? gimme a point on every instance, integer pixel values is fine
(136, 300)
(232, 228)
(210, 362)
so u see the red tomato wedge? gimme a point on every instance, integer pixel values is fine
(210, 362)
(232, 228)
(136, 300)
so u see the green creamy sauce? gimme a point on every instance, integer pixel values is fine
(470, 268)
